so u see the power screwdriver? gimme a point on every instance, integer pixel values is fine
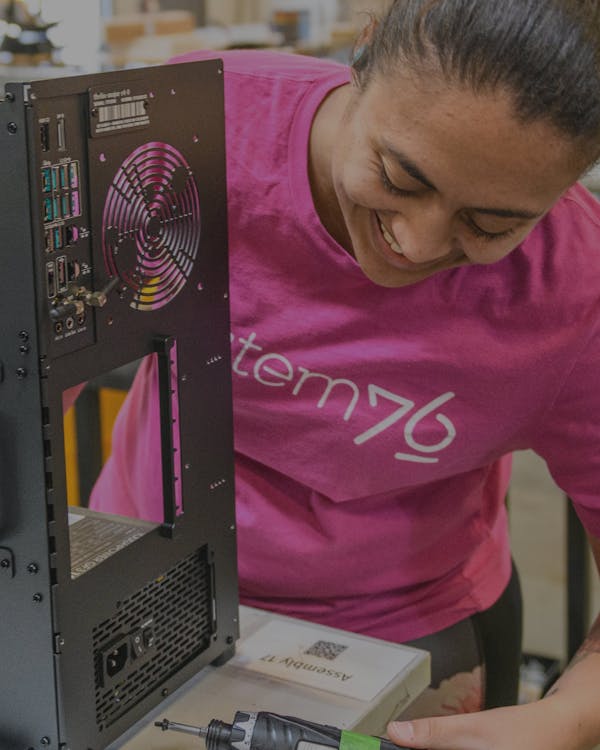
(266, 731)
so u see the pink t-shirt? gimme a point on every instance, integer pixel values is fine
(374, 426)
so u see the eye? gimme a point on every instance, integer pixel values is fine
(487, 236)
(389, 185)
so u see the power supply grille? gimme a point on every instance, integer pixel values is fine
(159, 629)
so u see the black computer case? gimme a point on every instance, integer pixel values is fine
(113, 249)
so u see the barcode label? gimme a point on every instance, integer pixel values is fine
(121, 111)
(325, 650)
(115, 109)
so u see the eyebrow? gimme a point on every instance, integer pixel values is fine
(411, 169)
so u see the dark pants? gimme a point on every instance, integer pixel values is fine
(475, 663)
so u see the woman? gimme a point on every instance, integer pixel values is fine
(415, 289)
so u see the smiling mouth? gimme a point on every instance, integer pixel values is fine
(405, 262)
(389, 239)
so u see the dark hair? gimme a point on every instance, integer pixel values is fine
(545, 53)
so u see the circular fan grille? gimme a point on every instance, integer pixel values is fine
(151, 225)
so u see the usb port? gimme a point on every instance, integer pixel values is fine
(56, 206)
(71, 234)
(64, 175)
(73, 175)
(50, 279)
(46, 180)
(75, 209)
(73, 270)
(45, 136)
(57, 238)
(61, 273)
(60, 134)
(48, 212)
(65, 206)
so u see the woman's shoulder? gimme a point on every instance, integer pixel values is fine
(575, 215)
(554, 273)
(580, 206)
(558, 264)
(273, 64)
(568, 237)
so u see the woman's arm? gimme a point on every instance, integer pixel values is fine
(568, 718)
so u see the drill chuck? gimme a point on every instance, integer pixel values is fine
(218, 735)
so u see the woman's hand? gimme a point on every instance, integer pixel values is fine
(547, 724)
(568, 718)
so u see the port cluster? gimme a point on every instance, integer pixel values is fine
(60, 206)
(60, 272)
(60, 202)
(70, 323)
(46, 134)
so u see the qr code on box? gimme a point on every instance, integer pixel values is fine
(325, 649)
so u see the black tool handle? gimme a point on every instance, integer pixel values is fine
(273, 732)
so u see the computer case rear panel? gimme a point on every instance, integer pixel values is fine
(112, 252)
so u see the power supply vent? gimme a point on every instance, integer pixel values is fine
(151, 225)
(159, 629)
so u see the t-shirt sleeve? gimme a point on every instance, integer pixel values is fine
(568, 437)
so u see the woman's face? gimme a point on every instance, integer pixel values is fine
(430, 177)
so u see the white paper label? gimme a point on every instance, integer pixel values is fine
(334, 660)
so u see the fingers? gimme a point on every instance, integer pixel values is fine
(443, 733)
(541, 725)
(410, 733)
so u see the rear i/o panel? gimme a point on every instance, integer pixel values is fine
(65, 233)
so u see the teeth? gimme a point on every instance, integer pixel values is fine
(390, 240)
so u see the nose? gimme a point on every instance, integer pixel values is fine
(424, 231)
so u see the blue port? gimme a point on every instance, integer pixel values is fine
(46, 180)
(57, 238)
(48, 211)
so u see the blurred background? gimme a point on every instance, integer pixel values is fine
(104, 34)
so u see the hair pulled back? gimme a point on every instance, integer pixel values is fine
(545, 53)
